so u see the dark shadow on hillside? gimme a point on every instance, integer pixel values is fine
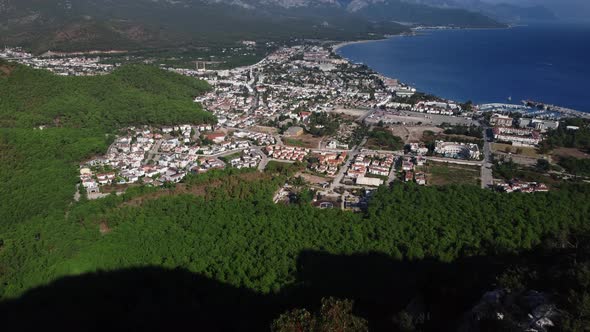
(153, 299)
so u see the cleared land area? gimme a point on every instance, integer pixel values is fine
(570, 152)
(355, 112)
(313, 179)
(453, 137)
(264, 129)
(519, 150)
(306, 141)
(413, 134)
(417, 118)
(439, 174)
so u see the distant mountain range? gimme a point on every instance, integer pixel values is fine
(110, 24)
(500, 11)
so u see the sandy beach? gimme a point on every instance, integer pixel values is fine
(340, 45)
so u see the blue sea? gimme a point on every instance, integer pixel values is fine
(547, 63)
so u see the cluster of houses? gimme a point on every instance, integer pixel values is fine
(457, 150)
(523, 132)
(367, 168)
(398, 89)
(248, 159)
(229, 105)
(261, 139)
(436, 107)
(166, 154)
(130, 159)
(328, 162)
(90, 181)
(288, 80)
(230, 145)
(517, 136)
(317, 56)
(418, 148)
(418, 177)
(286, 152)
(206, 164)
(520, 186)
(408, 167)
(58, 64)
(409, 163)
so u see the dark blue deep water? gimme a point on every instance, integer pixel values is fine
(548, 63)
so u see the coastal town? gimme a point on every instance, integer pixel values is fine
(345, 128)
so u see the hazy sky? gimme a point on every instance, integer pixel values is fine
(576, 9)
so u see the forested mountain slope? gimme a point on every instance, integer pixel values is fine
(38, 167)
(218, 242)
(132, 94)
(135, 24)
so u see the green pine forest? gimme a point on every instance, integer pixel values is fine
(223, 226)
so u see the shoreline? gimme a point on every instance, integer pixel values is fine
(340, 45)
(565, 111)
(413, 32)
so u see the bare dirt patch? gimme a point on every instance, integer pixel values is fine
(306, 141)
(440, 174)
(104, 228)
(451, 137)
(350, 111)
(313, 179)
(519, 150)
(570, 152)
(413, 134)
(6, 70)
(265, 130)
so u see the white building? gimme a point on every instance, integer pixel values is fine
(365, 181)
(457, 150)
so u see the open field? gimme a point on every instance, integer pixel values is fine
(350, 111)
(570, 152)
(306, 141)
(519, 150)
(413, 134)
(313, 179)
(417, 118)
(264, 129)
(453, 137)
(439, 174)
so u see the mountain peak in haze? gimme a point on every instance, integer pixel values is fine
(125, 24)
(512, 12)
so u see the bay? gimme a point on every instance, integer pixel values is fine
(548, 63)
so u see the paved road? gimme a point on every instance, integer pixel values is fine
(362, 118)
(154, 150)
(279, 140)
(344, 168)
(487, 177)
(455, 161)
(391, 176)
(264, 161)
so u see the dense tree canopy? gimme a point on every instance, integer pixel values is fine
(131, 95)
(563, 137)
(237, 235)
(222, 226)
